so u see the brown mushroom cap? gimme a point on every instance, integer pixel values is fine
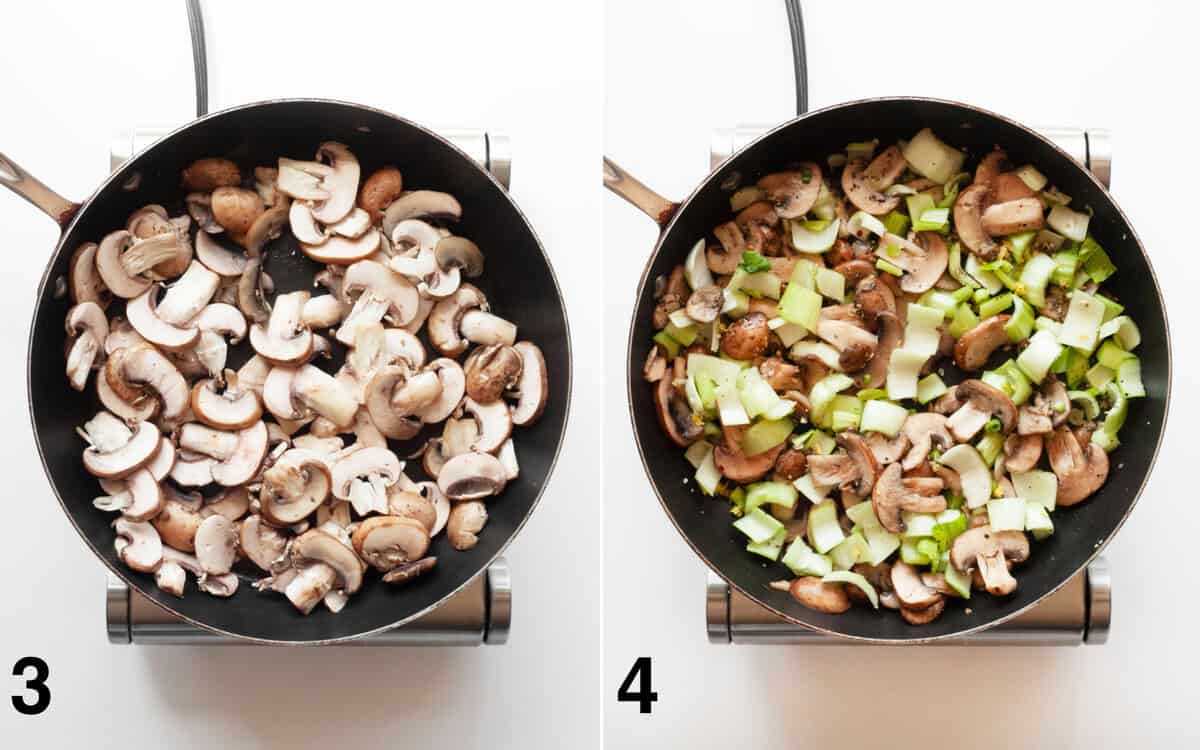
(979, 403)
(864, 183)
(1022, 452)
(989, 552)
(206, 175)
(890, 332)
(491, 370)
(1080, 471)
(924, 616)
(820, 596)
(747, 337)
(968, 221)
(793, 193)
(466, 520)
(976, 345)
(381, 187)
(236, 208)
(704, 304)
(894, 493)
(385, 542)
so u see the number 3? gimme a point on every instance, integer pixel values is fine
(41, 672)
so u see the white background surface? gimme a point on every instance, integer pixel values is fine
(69, 74)
(676, 69)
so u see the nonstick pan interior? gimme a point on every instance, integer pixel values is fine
(518, 282)
(1080, 531)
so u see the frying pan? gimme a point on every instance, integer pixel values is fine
(518, 281)
(1081, 532)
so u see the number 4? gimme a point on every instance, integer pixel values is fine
(644, 696)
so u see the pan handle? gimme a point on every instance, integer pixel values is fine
(16, 179)
(631, 189)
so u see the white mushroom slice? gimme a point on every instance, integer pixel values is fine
(277, 395)
(319, 546)
(219, 260)
(363, 478)
(472, 476)
(446, 317)
(216, 321)
(304, 226)
(145, 495)
(466, 520)
(321, 392)
(225, 409)
(111, 270)
(171, 578)
(88, 326)
(83, 280)
(199, 207)
(263, 545)
(402, 345)
(268, 226)
(294, 487)
(532, 387)
(302, 179)
(324, 311)
(198, 438)
(148, 221)
(441, 505)
(160, 250)
(138, 545)
(103, 459)
(146, 366)
(414, 249)
(188, 295)
(233, 503)
(121, 336)
(484, 328)
(253, 375)
(247, 458)
(508, 457)
(494, 421)
(393, 423)
(343, 251)
(336, 601)
(319, 445)
(354, 225)
(105, 432)
(224, 585)
(441, 283)
(216, 545)
(458, 437)
(284, 340)
(191, 470)
(385, 542)
(424, 307)
(454, 386)
(143, 316)
(417, 204)
(160, 466)
(367, 313)
(311, 584)
(341, 183)
(380, 282)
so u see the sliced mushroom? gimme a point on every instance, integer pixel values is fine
(341, 250)
(819, 596)
(219, 260)
(406, 572)
(864, 183)
(1081, 470)
(364, 476)
(83, 280)
(930, 267)
(484, 328)
(793, 193)
(494, 421)
(533, 386)
(171, 578)
(459, 254)
(320, 547)
(88, 328)
(278, 395)
(466, 520)
(675, 416)
(324, 394)
(227, 408)
(446, 318)
(472, 476)
(421, 204)
(284, 340)
(138, 497)
(704, 304)
(216, 545)
(1022, 452)
(265, 546)
(398, 421)
(968, 221)
(177, 524)
(143, 316)
(238, 454)
(888, 450)
(979, 403)
(304, 225)
(128, 371)
(377, 281)
(386, 542)
(856, 346)
(924, 616)
(734, 464)
(114, 451)
(323, 311)
(888, 337)
(893, 493)
(453, 381)
(137, 545)
(112, 272)
(910, 589)
(294, 487)
(990, 552)
(341, 183)
(1011, 217)
(924, 430)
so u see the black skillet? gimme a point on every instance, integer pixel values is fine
(1080, 532)
(518, 282)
